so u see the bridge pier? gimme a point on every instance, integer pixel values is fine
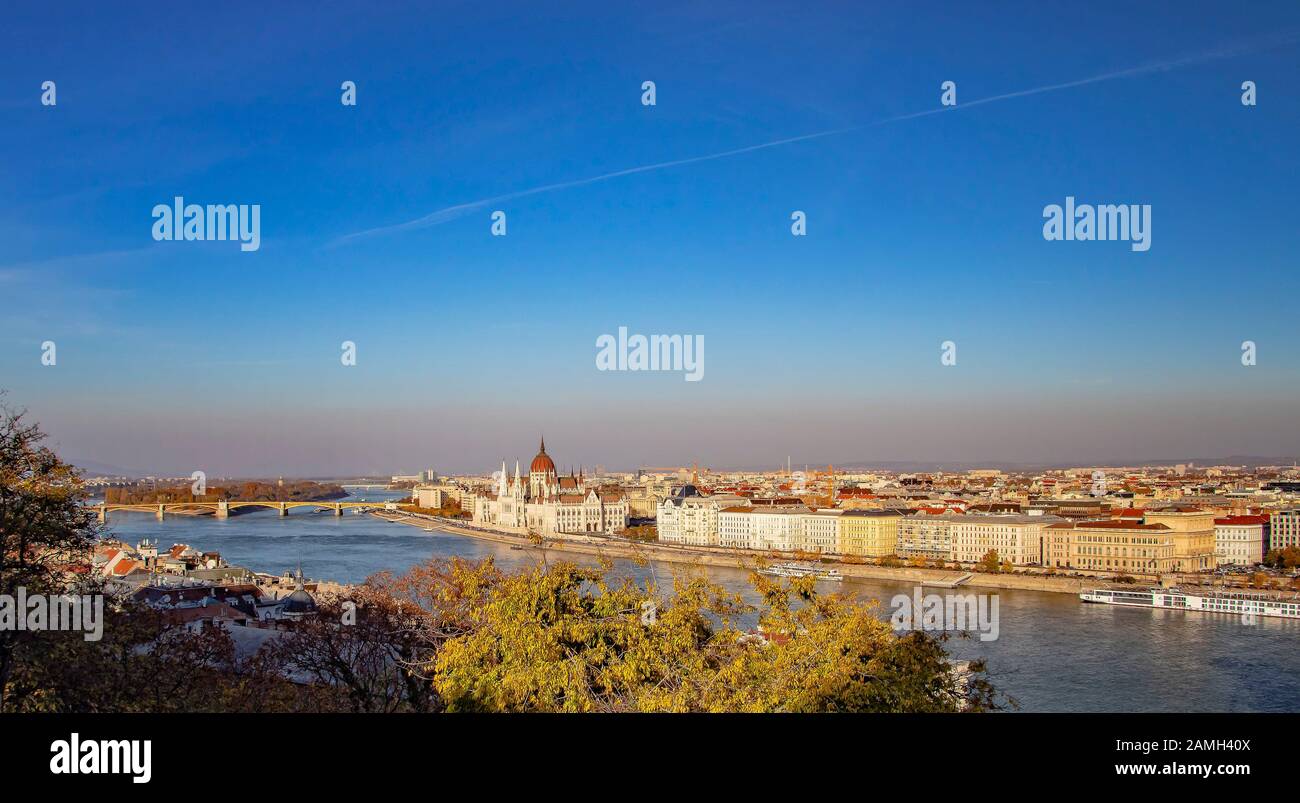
(284, 509)
(103, 513)
(160, 512)
(338, 509)
(223, 510)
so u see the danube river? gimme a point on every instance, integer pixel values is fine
(1052, 653)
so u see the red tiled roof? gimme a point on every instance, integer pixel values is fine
(1237, 521)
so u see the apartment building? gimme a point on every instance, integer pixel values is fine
(777, 528)
(1284, 529)
(1110, 546)
(693, 519)
(926, 536)
(1239, 540)
(431, 496)
(819, 531)
(1017, 538)
(869, 533)
(762, 527)
(735, 527)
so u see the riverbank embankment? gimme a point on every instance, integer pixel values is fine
(732, 559)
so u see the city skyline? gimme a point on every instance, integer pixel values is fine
(922, 228)
(849, 467)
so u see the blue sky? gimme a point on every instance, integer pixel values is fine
(178, 356)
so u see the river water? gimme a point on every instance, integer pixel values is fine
(1052, 653)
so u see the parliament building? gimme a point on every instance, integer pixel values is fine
(546, 503)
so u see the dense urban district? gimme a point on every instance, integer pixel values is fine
(1122, 521)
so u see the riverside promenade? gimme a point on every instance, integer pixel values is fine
(613, 547)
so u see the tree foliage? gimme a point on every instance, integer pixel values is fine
(45, 531)
(1285, 558)
(567, 638)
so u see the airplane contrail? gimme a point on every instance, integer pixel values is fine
(452, 212)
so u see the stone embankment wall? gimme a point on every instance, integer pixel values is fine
(703, 556)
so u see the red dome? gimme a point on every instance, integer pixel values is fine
(542, 463)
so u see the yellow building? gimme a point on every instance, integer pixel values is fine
(1110, 546)
(1193, 532)
(868, 533)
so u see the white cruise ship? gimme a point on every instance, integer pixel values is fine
(1237, 602)
(801, 570)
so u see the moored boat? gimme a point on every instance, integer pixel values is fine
(801, 570)
(1240, 602)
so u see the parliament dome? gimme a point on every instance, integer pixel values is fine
(542, 463)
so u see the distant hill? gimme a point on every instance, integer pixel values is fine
(94, 468)
(906, 466)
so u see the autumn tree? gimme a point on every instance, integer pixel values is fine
(567, 638)
(44, 528)
(375, 642)
(146, 661)
(1285, 558)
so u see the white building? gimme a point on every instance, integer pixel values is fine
(776, 528)
(735, 527)
(692, 519)
(549, 504)
(1239, 540)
